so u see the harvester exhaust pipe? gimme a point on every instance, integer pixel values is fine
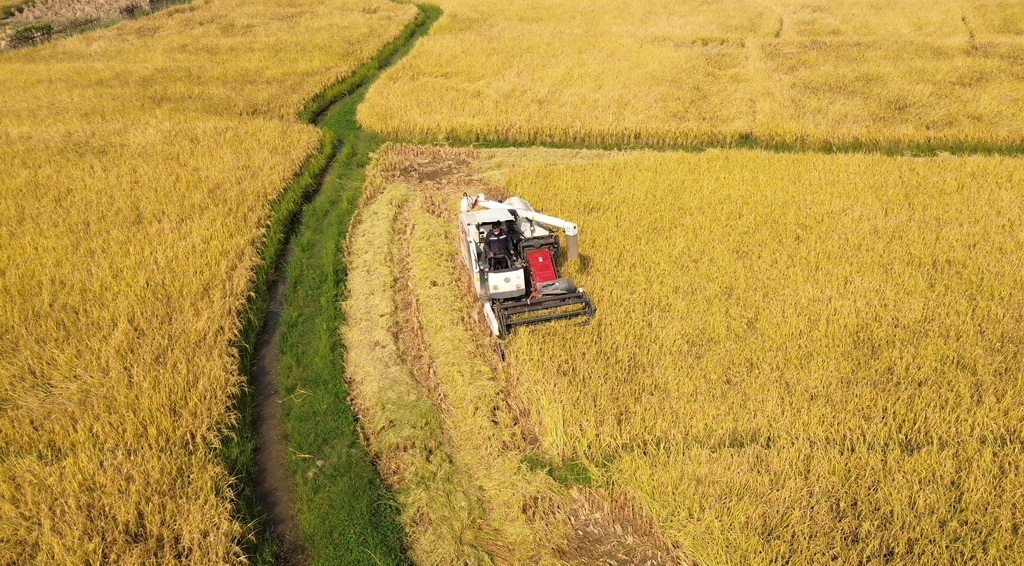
(572, 241)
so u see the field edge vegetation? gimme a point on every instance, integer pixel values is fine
(239, 443)
(346, 514)
(17, 33)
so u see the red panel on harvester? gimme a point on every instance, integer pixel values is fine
(542, 269)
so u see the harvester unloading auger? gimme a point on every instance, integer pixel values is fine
(518, 284)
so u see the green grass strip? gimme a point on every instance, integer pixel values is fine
(345, 512)
(238, 447)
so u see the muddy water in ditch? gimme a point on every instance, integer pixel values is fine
(273, 483)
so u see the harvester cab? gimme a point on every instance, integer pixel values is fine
(521, 287)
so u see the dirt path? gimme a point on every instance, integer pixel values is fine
(273, 483)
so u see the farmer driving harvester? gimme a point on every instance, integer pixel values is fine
(516, 291)
(499, 248)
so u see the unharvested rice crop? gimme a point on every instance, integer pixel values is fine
(908, 74)
(796, 358)
(140, 164)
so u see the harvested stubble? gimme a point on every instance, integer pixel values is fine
(796, 358)
(910, 74)
(433, 441)
(140, 164)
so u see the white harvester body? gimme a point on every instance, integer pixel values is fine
(515, 287)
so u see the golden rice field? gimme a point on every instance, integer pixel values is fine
(797, 358)
(139, 165)
(906, 74)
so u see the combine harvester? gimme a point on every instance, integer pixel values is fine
(519, 285)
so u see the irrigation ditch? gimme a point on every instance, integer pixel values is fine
(306, 489)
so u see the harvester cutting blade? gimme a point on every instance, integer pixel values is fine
(510, 313)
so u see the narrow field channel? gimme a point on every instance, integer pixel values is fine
(315, 491)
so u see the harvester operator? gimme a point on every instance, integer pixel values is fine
(498, 244)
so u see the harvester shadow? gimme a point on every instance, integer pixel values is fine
(584, 263)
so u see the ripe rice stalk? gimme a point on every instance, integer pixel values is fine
(796, 357)
(140, 166)
(909, 75)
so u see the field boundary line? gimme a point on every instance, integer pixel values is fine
(745, 141)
